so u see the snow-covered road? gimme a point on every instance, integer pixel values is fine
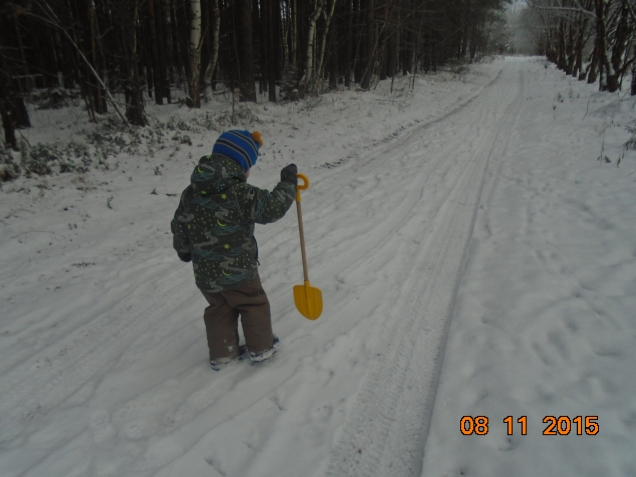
(387, 426)
(478, 261)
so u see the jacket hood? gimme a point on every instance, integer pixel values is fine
(215, 174)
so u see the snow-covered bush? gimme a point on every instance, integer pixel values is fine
(289, 88)
(631, 142)
(178, 125)
(54, 98)
(42, 159)
(203, 123)
(34, 160)
(182, 138)
(112, 137)
(94, 146)
(9, 170)
(222, 121)
(108, 139)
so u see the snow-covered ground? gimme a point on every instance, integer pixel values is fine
(474, 256)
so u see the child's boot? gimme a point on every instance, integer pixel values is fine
(260, 357)
(218, 364)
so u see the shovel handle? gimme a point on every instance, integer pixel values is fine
(301, 229)
(302, 186)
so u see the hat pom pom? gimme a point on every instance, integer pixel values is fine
(257, 137)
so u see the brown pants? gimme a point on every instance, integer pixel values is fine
(221, 320)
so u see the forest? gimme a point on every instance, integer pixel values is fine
(592, 40)
(120, 54)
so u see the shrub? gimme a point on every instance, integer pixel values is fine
(289, 87)
(9, 170)
(54, 98)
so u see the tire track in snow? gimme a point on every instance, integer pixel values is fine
(386, 430)
(326, 186)
(375, 154)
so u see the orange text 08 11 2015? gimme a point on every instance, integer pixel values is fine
(555, 426)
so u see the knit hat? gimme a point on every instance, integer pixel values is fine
(241, 146)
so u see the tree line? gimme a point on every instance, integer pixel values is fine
(145, 50)
(592, 40)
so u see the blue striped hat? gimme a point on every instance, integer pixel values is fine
(241, 146)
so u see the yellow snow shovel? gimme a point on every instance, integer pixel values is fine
(308, 299)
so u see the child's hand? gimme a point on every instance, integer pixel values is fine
(185, 257)
(289, 174)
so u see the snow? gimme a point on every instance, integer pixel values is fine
(475, 259)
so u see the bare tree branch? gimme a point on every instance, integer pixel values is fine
(54, 21)
(532, 4)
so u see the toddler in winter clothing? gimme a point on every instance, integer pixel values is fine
(214, 228)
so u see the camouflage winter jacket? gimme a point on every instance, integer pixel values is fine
(214, 223)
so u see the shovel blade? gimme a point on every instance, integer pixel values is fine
(308, 300)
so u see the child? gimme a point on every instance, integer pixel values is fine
(214, 228)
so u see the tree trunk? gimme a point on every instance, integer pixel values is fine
(294, 33)
(358, 55)
(177, 54)
(156, 68)
(272, 46)
(206, 47)
(25, 84)
(278, 51)
(51, 66)
(63, 52)
(99, 97)
(561, 61)
(474, 33)
(12, 109)
(216, 28)
(348, 45)
(464, 31)
(145, 57)
(571, 56)
(194, 92)
(260, 33)
(80, 11)
(311, 50)
(578, 65)
(384, 44)
(406, 54)
(320, 64)
(601, 38)
(246, 57)
(134, 104)
(9, 129)
(368, 72)
(7, 113)
(164, 48)
(333, 61)
(20, 113)
(618, 51)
